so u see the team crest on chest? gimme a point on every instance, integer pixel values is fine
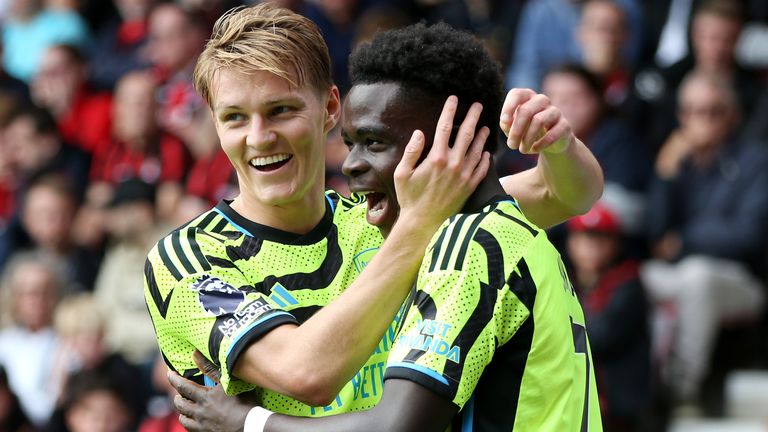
(362, 259)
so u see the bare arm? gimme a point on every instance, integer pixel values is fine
(567, 180)
(313, 361)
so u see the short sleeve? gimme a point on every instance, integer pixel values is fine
(196, 304)
(453, 327)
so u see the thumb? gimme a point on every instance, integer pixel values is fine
(207, 367)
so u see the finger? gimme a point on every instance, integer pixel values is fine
(475, 153)
(481, 170)
(466, 133)
(184, 406)
(557, 132)
(185, 387)
(540, 123)
(190, 424)
(411, 154)
(207, 367)
(514, 98)
(522, 120)
(444, 127)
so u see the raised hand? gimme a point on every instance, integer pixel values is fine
(533, 125)
(438, 186)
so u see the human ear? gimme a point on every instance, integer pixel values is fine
(332, 108)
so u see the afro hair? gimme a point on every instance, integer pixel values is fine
(438, 60)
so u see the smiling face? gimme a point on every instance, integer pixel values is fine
(378, 121)
(274, 135)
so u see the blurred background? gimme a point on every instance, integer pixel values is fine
(105, 147)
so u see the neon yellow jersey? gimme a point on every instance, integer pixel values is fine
(221, 281)
(496, 327)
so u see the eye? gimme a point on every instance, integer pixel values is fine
(375, 144)
(281, 109)
(232, 117)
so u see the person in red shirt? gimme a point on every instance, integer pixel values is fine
(139, 147)
(83, 116)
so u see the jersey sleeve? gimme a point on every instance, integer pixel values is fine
(459, 316)
(198, 299)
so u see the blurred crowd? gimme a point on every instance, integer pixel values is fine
(105, 146)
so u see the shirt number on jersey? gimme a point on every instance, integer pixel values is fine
(580, 345)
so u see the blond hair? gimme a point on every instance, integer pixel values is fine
(265, 38)
(80, 314)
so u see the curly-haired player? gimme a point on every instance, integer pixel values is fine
(493, 335)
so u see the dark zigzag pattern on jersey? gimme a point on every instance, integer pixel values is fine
(428, 310)
(437, 246)
(469, 236)
(506, 374)
(451, 242)
(529, 228)
(483, 312)
(160, 302)
(318, 279)
(194, 224)
(497, 393)
(190, 230)
(248, 248)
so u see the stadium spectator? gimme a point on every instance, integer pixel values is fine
(31, 286)
(608, 283)
(94, 402)
(83, 116)
(546, 38)
(176, 37)
(12, 416)
(139, 148)
(133, 229)
(31, 29)
(578, 94)
(118, 46)
(47, 213)
(602, 34)
(36, 148)
(81, 347)
(336, 19)
(707, 210)
(715, 30)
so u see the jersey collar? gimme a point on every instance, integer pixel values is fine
(264, 232)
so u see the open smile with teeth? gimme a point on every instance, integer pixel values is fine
(377, 206)
(271, 162)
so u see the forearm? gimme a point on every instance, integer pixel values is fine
(405, 406)
(561, 185)
(312, 362)
(573, 177)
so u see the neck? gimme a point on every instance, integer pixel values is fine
(489, 187)
(297, 217)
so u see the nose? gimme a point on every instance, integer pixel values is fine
(259, 135)
(355, 164)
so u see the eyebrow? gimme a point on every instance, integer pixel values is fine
(270, 102)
